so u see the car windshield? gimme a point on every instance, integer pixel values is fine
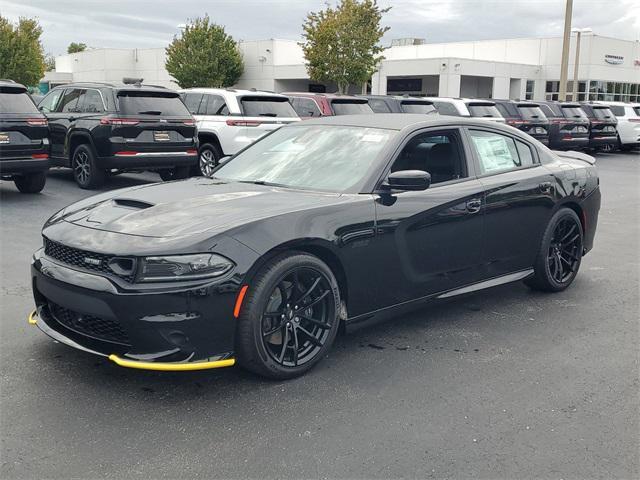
(315, 157)
(347, 107)
(267, 107)
(417, 107)
(16, 103)
(484, 111)
(151, 103)
(602, 113)
(532, 113)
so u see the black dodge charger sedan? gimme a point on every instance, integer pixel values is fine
(330, 222)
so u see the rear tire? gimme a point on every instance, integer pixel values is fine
(289, 317)
(208, 158)
(31, 183)
(86, 172)
(175, 173)
(560, 253)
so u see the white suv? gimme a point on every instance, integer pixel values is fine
(228, 120)
(467, 107)
(628, 115)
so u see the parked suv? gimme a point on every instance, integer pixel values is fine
(628, 116)
(568, 125)
(309, 105)
(229, 120)
(400, 104)
(24, 139)
(467, 107)
(97, 128)
(603, 134)
(525, 116)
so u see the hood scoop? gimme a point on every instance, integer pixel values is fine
(132, 203)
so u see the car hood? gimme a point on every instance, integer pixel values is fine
(189, 207)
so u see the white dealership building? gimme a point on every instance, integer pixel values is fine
(523, 68)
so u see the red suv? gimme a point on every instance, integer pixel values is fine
(309, 105)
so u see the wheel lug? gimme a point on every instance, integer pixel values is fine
(288, 324)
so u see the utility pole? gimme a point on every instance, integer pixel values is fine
(575, 68)
(564, 63)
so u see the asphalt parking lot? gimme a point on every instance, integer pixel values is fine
(506, 383)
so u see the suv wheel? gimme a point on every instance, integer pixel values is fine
(86, 172)
(30, 183)
(175, 173)
(208, 159)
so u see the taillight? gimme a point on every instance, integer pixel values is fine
(38, 122)
(40, 156)
(634, 120)
(243, 123)
(126, 153)
(119, 122)
(192, 151)
(189, 123)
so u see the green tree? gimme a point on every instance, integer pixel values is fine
(49, 62)
(204, 56)
(76, 47)
(341, 44)
(21, 53)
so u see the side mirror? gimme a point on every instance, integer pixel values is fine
(409, 180)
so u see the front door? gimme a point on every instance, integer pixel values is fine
(429, 241)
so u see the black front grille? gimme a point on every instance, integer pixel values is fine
(95, 327)
(96, 262)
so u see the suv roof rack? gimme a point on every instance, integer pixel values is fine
(132, 81)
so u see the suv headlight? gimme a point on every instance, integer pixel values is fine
(183, 267)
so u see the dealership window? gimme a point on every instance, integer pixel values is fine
(582, 91)
(614, 91)
(530, 87)
(551, 90)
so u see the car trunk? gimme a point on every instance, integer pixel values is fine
(575, 123)
(262, 114)
(603, 122)
(150, 122)
(24, 130)
(485, 110)
(532, 120)
(350, 106)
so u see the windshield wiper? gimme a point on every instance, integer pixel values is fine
(263, 182)
(268, 115)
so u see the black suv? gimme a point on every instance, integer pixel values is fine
(604, 132)
(400, 104)
(568, 125)
(525, 116)
(97, 128)
(24, 139)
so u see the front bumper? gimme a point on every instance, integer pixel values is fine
(151, 160)
(169, 328)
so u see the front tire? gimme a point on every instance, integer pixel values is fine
(560, 253)
(289, 317)
(31, 183)
(86, 172)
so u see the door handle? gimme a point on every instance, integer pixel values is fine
(545, 187)
(473, 206)
(72, 119)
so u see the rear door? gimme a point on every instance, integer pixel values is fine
(23, 129)
(151, 121)
(518, 199)
(63, 113)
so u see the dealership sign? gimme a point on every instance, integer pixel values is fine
(614, 59)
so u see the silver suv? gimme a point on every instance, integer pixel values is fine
(229, 120)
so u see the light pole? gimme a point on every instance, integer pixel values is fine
(564, 62)
(579, 32)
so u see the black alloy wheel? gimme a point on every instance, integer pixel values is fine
(289, 318)
(561, 253)
(85, 170)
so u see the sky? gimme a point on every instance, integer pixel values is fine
(153, 23)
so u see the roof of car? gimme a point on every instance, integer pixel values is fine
(11, 83)
(116, 86)
(234, 91)
(398, 97)
(397, 121)
(330, 96)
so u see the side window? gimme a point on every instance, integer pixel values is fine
(306, 108)
(69, 102)
(445, 108)
(379, 106)
(498, 153)
(439, 153)
(48, 103)
(214, 106)
(192, 101)
(91, 102)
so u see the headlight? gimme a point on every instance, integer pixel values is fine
(183, 267)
